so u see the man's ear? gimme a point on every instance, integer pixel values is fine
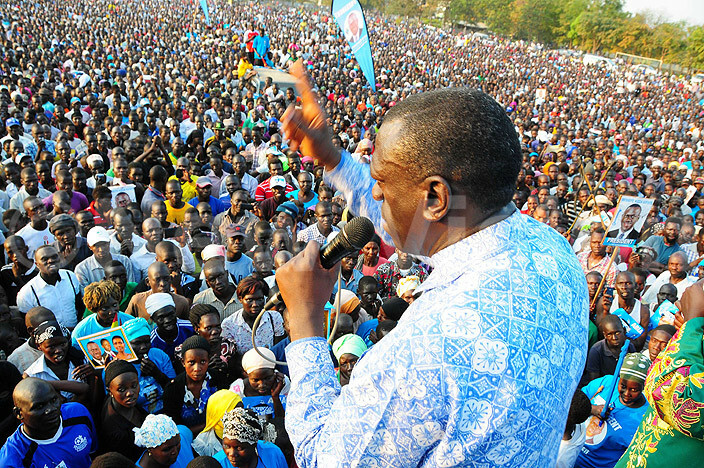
(17, 412)
(438, 196)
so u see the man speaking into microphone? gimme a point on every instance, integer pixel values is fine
(481, 368)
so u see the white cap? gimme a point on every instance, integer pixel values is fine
(277, 181)
(212, 251)
(158, 301)
(94, 158)
(97, 234)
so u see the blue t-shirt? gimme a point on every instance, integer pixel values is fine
(90, 325)
(313, 201)
(606, 443)
(185, 330)
(215, 205)
(185, 454)
(72, 445)
(664, 251)
(270, 456)
(240, 268)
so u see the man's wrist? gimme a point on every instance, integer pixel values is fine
(305, 322)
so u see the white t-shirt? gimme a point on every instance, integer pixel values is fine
(35, 239)
(569, 449)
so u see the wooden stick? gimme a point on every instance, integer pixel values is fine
(603, 280)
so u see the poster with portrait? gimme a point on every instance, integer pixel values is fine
(122, 195)
(628, 220)
(102, 347)
(349, 16)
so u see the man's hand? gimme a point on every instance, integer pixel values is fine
(692, 303)
(149, 368)
(305, 287)
(306, 126)
(126, 247)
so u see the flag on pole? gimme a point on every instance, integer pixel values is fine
(349, 16)
(204, 7)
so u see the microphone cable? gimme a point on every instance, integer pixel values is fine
(331, 333)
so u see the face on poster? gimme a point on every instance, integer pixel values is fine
(354, 27)
(627, 225)
(102, 347)
(122, 195)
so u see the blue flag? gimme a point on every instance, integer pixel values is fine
(204, 7)
(350, 18)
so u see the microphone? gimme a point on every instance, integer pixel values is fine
(350, 239)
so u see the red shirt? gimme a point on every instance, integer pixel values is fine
(97, 217)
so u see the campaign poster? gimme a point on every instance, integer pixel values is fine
(349, 16)
(628, 220)
(102, 347)
(122, 195)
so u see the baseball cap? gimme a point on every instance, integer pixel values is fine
(277, 181)
(203, 182)
(97, 234)
(699, 180)
(75, 99)
(219, 126)
(11, 122)
(212, 251)
(289, 208)
(234, 230)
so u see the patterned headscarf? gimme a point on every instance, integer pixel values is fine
(48, 330)
(635, 368)
(242, 426)
(156, 429)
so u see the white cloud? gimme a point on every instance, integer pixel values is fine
(690, 11)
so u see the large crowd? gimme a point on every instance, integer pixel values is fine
(147, 186)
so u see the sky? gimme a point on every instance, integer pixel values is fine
(691, 11)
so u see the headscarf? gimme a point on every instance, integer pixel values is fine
(409, 283)
(48, 330)
(219, 403)
(348, 301)
(349, 344)
(135, 328)
(156, 429)
(252, 361)
(635, 367)
(546, 167)
(158, 301)
(241, 425)
(116, 368)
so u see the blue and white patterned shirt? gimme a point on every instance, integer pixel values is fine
(480, 370)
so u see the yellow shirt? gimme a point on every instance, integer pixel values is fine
(175, 215)
(242, 68)
(189, 188)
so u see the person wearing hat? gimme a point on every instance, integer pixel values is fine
(626, 228)
(209, 441)
(121, 413)
(347, 349)
(153, 366)
(279, 189)
(186, 397)
(286, 219)
(237, 263)
(219, 136)
(242, 445)
(14, 133)
(166, 444)
(92, 269)
(266, 189)
(260, 380)
(72, 249)
(608, 439)
(236, 214)
(204, 187)
(170, 331)
(58, 435)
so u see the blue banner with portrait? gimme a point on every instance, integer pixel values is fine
(204, 7)
(350, 18)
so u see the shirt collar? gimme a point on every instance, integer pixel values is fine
(451, 262)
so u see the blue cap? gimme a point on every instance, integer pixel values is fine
(289, 208)
(11, 122)
(75, 99)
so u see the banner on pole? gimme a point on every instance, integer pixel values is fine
(204, 7)
(349, 16)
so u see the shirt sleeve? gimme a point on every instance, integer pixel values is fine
(355, 182)
(162, 361)
(675, 384)
(25, 299)
(381, 418)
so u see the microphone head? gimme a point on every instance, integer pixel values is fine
(359, 231)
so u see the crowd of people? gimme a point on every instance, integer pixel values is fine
(147, 185)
